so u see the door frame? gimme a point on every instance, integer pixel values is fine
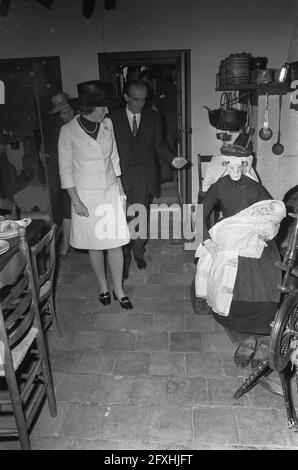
(42, 100)
(181, 58)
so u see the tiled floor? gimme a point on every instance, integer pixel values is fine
(156, 377)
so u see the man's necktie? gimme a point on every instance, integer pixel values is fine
(134, 125)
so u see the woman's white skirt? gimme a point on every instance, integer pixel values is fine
(106, 225)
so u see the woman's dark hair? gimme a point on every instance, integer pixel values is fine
(85, 110)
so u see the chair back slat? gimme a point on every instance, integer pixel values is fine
(14, 318)
(21, 331)
(14, 292)
(45, 241)
(10, 273)
(47, 276)
(203, 160)
(43, 258)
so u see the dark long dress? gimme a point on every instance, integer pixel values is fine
(255, 296)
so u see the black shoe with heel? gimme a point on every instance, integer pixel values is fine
(124, 302)
(105, 298)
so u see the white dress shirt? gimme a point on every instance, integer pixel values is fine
(130, 116)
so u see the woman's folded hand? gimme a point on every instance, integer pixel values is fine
(81, 209)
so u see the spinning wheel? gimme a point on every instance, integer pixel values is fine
(284, 333)
(284, 336)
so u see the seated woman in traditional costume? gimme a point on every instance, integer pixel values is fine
(241, 280)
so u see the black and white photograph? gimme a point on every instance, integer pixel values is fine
(149, 227)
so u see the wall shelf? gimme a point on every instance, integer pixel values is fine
(274, 88)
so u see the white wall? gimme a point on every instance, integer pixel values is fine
(278, 173)
(31, 30)
(211, 29)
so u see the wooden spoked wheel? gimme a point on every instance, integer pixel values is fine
(284, 331)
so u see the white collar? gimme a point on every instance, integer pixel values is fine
(130, 113)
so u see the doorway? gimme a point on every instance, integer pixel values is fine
(169, 75)
(29, 136)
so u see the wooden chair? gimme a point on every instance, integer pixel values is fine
(8, 209)
(43, 257)
(203, 161)
(24, 364)
(200, 306)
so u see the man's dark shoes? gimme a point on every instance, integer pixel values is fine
(141, 263)
(105, 298)
(245, 352)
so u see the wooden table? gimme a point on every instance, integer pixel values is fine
(34, 232)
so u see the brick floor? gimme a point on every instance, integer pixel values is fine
(156, 377)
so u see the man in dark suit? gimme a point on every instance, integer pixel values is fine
(138, 135)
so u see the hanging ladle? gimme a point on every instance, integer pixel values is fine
(266, 133)
(278, 148)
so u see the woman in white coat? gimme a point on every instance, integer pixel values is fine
(90, 171)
